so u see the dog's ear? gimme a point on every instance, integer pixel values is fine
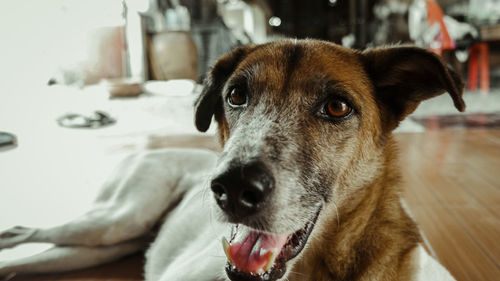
(405, 76)
(209, 102)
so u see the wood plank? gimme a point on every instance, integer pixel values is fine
(483, 191)
(454, 177)
(455, 249)
(482, 227)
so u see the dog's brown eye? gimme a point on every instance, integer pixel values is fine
(337, 108)
(237, 97)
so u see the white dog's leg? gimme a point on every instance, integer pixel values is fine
(130, 203)
(59, 259)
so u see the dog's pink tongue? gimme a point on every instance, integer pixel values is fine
(253, 251)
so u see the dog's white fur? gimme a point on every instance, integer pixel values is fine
(164, 196)
(187, 246)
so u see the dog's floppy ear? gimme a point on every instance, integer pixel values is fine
(209, 102)
(404, 76)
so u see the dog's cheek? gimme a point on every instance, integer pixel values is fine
(361, 166)
(332, 153)
(231, 116)
(328, 164)
(306, 175)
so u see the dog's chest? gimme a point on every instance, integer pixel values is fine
(188, 244)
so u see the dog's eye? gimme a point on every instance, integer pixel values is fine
(337, 108)
(237, 97)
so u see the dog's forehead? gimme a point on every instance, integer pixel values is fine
(305, 67)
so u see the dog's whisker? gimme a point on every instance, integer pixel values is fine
(205, 192)
(298, 273)
(217, 256)
(337, 214)
(211, 215)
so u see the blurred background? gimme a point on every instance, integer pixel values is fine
(81, 43)
(83, 83)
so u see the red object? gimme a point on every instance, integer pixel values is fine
(435, 15)
(479, 68)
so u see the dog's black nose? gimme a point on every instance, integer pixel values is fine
(243, 189)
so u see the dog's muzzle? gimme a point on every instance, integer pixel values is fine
(243, 192)
(243, 189)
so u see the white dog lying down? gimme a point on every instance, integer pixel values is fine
(306, 187)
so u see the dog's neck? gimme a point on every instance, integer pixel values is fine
(374, 232)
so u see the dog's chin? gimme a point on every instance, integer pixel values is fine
(276, 267)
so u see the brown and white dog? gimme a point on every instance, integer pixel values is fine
(305, 188)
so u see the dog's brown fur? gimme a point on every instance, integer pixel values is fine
(368, 236)
(371, 238)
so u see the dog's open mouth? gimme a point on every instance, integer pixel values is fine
(258, 256)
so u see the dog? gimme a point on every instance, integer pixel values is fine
(306, 186)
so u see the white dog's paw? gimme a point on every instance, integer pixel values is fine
(14, 236)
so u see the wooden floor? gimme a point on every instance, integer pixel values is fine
(127, 269)
(452, 186)
(452, 181)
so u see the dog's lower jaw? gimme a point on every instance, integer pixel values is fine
(374, 232)
(276, 269)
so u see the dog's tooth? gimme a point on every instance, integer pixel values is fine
(225, 246)
(263, 251)
(270, 261)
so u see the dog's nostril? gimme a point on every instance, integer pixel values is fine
(219, 191)
(250, 198)
(243, 190)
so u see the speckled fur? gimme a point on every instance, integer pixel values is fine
(347, 167)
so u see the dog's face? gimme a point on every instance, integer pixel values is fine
(303, 126)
